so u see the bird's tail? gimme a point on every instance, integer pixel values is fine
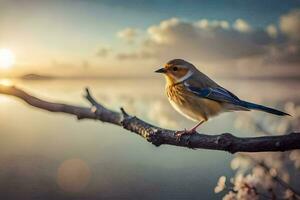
(253, 106)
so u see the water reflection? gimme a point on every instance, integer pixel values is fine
(122, 164)
(73, 175)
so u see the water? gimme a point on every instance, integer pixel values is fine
(54, 156)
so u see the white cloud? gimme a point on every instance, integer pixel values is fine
(219, 43)
(212, 24)
(286, 53)
(103, 51)
(204, 40)
(168, 31)
(290, 24)
(136, 55)
(242, 26)
(128, 34)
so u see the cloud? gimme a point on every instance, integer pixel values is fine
(290, 24)
(170, 31)
(135, 55)
(285, 53)
(205, 40)
(220, 43)
(287, 50)
(128, 34)
(103, 51)
(213, 24)
(242, 26)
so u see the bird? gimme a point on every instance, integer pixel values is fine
(197, 97)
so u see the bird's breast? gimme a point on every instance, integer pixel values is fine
(190, 105)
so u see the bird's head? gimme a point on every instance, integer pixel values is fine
(177, 70)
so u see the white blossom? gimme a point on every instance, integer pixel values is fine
(288, 194)
(253, 180)
(239, 163)
(221, 184)
(230, 196)
(295, 156)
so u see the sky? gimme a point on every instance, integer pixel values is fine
(133, 38)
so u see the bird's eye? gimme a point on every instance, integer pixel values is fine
(175, 69)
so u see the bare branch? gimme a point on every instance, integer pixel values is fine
(158, 136)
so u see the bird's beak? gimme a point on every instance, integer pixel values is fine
(161, 70)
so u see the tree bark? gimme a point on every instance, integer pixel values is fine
(156, 135)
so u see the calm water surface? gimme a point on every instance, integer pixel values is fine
(54, 156)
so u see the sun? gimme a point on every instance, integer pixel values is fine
(7, 58)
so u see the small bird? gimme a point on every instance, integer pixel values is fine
(197, 97)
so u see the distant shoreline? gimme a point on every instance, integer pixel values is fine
(39, 77)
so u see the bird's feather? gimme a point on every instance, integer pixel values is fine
(222, 95)
(217, 94)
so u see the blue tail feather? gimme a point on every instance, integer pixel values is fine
(253, 106)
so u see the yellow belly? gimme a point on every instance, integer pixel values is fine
(192, 106)
(200, 110)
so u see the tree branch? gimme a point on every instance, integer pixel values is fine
(156, 135)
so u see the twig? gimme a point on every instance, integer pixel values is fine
(279, 180)
(276, 178)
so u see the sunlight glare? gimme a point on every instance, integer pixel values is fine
(7, 58)
(6, 82)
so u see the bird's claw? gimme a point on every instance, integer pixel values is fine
(179, 134)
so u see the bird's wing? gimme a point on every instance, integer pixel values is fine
(214, 93)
